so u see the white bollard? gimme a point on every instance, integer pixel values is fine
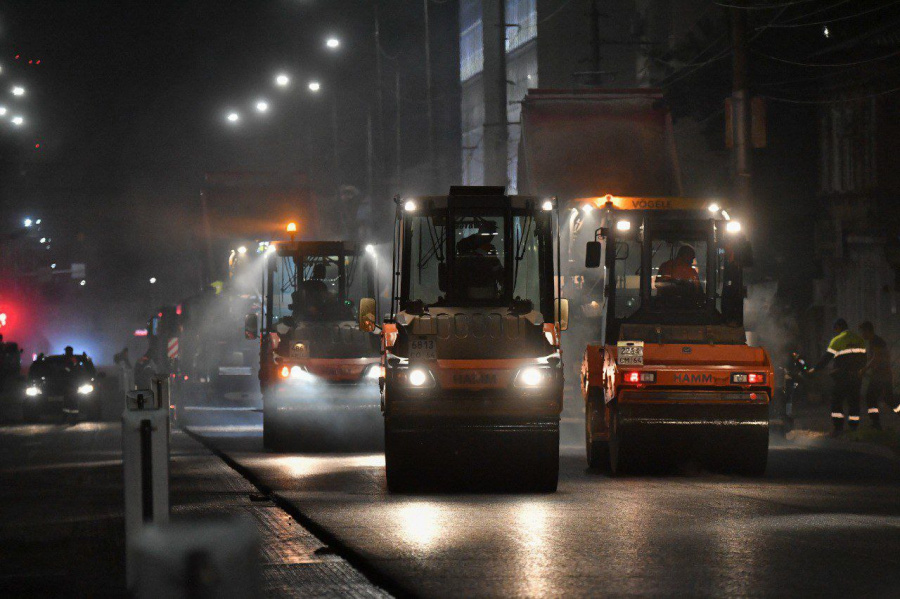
(145, 458)
(200, 558)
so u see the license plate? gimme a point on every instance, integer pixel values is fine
(422, 348)
(484, 379)
(630, 353)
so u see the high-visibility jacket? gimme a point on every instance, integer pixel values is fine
(848, 350)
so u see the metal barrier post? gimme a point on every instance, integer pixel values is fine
(145, 458)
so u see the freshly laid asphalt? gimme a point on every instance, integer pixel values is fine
(824, 521)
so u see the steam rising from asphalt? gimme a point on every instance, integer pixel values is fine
(771, 325)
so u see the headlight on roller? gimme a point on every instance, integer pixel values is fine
(32, 391)
(418, 378)
(299, 374)
(86, 389)
(532, 378)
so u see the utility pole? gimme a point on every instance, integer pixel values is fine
(379, 99)
(370, 156)
(740, 106)
(595, 42)
(432, 158)
(397, 139)
(336, 158)
(493, 18)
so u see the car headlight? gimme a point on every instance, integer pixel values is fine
(86, 389)
(32, 391)
(532, 377)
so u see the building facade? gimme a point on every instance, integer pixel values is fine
(563, 44)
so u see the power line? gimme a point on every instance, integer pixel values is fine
(677, 65)
(824, 76)
(836, 19)
(815, 12)
(554, 13)
(838, 101)
(828, 65)
(764, 7)
(724, 53)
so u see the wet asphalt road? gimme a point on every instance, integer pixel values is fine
(822, 522)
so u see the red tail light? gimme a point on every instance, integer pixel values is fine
(640, 376)
(752, 378)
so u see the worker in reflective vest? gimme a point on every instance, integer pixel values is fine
(847, 350)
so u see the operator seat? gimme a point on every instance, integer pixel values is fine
(479, 272)
(312, 294)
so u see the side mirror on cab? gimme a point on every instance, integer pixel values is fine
(251, 326)
(562, 314)
(592, 254)
(367, 314)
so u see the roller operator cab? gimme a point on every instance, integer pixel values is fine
(318, 371)
(472, 366)
(672, 377)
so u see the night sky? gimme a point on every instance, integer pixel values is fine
(129, 103)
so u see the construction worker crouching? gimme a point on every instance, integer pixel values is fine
(848, 351)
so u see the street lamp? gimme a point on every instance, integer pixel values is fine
(3, 111)
(18, 90)
(242, 250)
(333, 43)
(18, 121)
(282, 80)
(233, 117)
(152, 280)
(262, 106)
(27, 222)
(314, 86)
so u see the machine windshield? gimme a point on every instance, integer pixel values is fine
(678, 276)
(325, 287)
(489, 259)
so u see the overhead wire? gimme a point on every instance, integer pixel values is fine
(826, 65)
(815, 12)
(817, 77)
(835, 101)
(836, 19)
(555, 12)
(763, 6)
(723, 54)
